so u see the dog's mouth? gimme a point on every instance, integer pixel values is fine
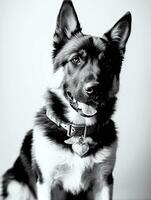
(84, 109)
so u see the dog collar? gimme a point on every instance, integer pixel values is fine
(72, 129)
(77, 135)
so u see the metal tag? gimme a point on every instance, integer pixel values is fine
(80, 147)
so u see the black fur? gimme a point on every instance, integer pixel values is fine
(58, 107)
(22, 170)
(51, 130)
(60, 33)
(110, 179)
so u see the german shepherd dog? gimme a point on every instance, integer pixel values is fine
(70, 152)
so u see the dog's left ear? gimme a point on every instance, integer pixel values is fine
(120, 32)
(67, 23)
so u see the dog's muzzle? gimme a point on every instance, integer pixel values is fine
(86, 107)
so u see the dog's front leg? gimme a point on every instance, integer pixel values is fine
(103, 190)
(105, 193)
(43, 191)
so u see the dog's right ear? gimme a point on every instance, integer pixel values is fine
(120, 32)
(67, 24)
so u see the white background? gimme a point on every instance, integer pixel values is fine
(26, 29)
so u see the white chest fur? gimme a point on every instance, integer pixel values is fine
(60, 165)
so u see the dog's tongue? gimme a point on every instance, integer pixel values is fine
(87, 109)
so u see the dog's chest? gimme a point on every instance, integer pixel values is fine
(75, 174)
(62, 166)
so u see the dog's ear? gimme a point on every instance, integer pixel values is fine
(120, 32)
(67, 23)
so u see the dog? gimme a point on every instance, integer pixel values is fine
(70, 152)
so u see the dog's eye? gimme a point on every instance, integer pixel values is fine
(76, 60)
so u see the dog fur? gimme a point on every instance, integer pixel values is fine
(82, 93)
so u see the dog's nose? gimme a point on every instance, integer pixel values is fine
(91, 88)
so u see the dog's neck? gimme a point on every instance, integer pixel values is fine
(71, 128)
(81, 131)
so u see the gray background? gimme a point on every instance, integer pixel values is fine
(26, 29)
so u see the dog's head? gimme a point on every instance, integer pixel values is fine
(90, 65)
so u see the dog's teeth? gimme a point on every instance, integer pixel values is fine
(79, 105)
(74, 101)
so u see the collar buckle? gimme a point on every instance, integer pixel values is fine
(70, 130)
